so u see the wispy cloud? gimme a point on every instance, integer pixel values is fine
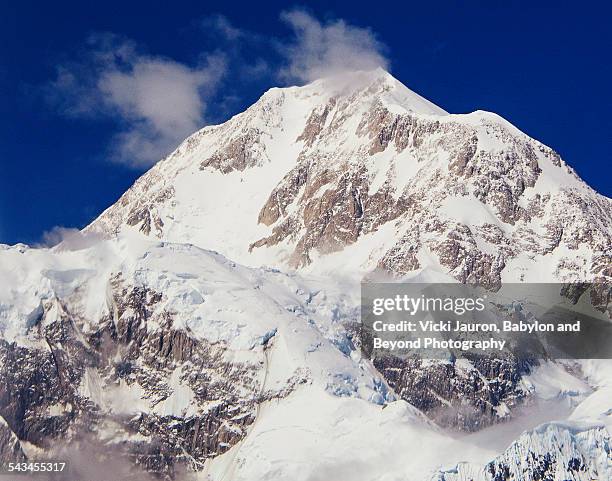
(314, 48)
(321, 49)
(220, 24)
(161, 101)
(157, 101)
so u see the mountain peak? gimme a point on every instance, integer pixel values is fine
(365, 173)
(373, 83)
(363, 87)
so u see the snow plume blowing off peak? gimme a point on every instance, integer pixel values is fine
(329, 49)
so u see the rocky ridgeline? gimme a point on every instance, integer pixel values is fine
(361, 164)
(465, 398)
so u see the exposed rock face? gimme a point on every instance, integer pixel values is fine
(331, 218)
(10, 447)
(466, 395)
(240, 153)
(79, 385)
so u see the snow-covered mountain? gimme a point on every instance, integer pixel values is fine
(359, 173)
(207, 322)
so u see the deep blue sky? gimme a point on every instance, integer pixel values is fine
(544, 67)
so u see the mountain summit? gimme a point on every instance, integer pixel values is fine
(358, 173)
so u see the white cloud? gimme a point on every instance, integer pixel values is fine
(324, 49)
(161, 101)
(158, 101)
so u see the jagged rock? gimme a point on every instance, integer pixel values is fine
(51, 392)
(551, 452)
